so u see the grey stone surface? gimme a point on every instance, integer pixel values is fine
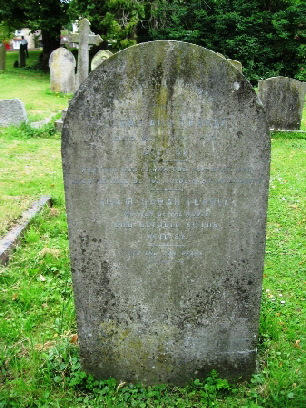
(59, 124)
(83, 56)
(166, 154)
(11, 239)
(100, 56)
(283, 99)
(2, 57)
(62, 65)
(64, 113)
(12, 112)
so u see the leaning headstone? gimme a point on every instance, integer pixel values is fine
(237, 64)
(166, 155)
(100, 56)
(22, 56)
(62, 65)
(12, 112)
(283, 99)
(2, 57)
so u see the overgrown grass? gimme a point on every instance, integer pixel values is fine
(39, 352)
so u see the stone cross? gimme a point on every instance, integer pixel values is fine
(84, 39)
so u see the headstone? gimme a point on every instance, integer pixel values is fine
(283, 99)
(100, 56)
(62, 65)
(84, 39)
(237, 64)
(22, 56)
(12, 112)
(166, 155)
(2, 57)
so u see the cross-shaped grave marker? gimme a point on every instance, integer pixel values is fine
(84, 39)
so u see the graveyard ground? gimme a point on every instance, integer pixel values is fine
(39, 350)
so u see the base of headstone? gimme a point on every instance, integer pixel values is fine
(59, 125)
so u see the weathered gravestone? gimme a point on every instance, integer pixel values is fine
(100, 56)
(166, 156)
(2, 57)
(237, 64)
(84, 39)
(62, 77)
(283, 99)
(12, 112)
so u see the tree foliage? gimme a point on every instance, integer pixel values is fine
(115, 20)
(47, 15)
(267, 36)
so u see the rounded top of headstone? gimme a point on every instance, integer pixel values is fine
(62, 53)
(176, 61)
(166, 79)
(100, 56)
(280, 78)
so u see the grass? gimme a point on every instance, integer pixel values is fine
(39, 363)
(31, 87)
(30, 168)
(39, 353)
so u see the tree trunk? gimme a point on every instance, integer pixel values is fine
(51, 41)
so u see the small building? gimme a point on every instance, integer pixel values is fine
(30, 37)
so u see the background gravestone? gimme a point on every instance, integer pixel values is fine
(12, 112)
(283, 99)
(237, 64)
(100, 56)
(62, 77)
(22, 56)
(2, 57)
(166, 156)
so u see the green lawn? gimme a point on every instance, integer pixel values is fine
(31, 87)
